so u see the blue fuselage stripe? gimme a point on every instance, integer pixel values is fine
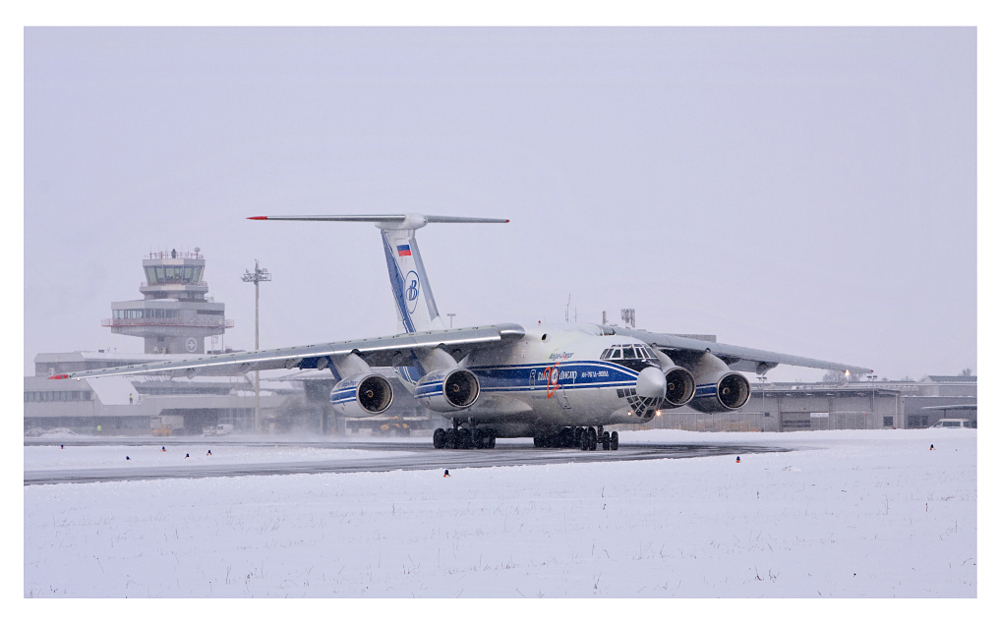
(574, 374)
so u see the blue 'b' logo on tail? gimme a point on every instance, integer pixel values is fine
(412, 291)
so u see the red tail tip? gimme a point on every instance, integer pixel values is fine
(257, 218)
(59, 377)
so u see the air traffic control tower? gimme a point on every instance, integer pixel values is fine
(174, 316)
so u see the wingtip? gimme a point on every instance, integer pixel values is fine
(257, 218)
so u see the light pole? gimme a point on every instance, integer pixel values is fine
(451, 319)
(259, 275)
(872, 379)
(762, 379)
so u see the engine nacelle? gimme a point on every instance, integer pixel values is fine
(362, 395)
(448, 390)
(680, 387)
(721, 392)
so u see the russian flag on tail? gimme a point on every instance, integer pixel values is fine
(403, 250)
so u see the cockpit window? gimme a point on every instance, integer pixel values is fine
(634, 356)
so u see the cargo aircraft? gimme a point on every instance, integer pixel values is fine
(561, 384)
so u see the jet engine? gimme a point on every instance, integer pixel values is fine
(680, 382)
(717, 388)
(722, 393)
(448, 390)
(680, 387)
(362, 395)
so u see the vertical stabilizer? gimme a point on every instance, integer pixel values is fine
(411, 290)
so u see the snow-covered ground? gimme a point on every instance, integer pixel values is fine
(853, 514)
(52, 457)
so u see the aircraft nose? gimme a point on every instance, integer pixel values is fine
(651, 383)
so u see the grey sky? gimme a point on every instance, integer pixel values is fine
(810, 191)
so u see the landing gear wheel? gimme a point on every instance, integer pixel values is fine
(584, 439)
(606, 441)
(614, 440)
(463, 439)
(439, 438)
(450, 438)
(492, 442)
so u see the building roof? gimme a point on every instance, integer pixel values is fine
(951, 378)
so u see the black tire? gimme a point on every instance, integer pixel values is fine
(450, 438)
(584, 440)
(565, 438)
(538, 442)
(614, 440)
(606, 441)
(592, 435)
(492, 442)
(439, 438)
(464, 439)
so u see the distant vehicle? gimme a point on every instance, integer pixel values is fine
(219, 429)
(166, 425)
(952, 423)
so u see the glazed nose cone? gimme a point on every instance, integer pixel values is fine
(651, 383)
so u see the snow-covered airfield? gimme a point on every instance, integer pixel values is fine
(847, 514)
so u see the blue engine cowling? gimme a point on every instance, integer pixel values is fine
(448, 390)
(721, 392)
(362, 395)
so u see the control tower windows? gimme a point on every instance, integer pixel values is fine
(159, 274)
(147, 313)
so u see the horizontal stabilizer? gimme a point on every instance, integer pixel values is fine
(397, 218)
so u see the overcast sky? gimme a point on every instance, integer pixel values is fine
(810, 191)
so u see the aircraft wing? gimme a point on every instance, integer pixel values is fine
(737, 358)
(385, 351)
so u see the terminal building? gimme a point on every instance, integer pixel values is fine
(822, 406)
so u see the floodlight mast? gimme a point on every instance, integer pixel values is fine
(259, 275)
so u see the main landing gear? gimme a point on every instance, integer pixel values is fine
(583, 438)
(464, 438)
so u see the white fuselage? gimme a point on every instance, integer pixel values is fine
(554, 377)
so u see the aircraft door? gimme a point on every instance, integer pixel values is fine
(567, 377)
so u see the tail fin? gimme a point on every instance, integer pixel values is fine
(415, 307)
